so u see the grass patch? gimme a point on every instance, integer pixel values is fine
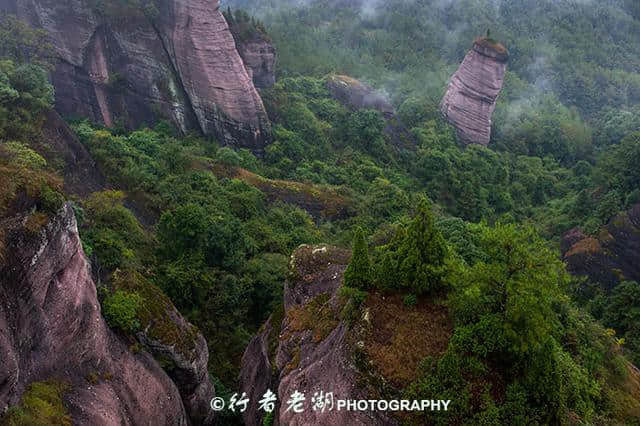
(41, 405)
(318, 316)
(401, 336)
(327, 201)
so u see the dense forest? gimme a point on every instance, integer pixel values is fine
(477, 229)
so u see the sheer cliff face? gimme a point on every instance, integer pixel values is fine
(309, 349)
(51, 327)
(178, 61)
(473, 90)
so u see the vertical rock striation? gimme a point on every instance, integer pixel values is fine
(172, 59)
(255, 49)
(309, 349)
(473, 90)
(51, 327)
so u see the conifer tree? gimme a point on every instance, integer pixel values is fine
(421, 256)
(358, 273)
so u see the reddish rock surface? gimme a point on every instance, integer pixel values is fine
(51, 328)
(473, 90)
(314, 347)
(611, 256)
(124, 66)
(256, 51)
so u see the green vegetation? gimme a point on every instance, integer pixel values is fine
(120, 310)
(520, 352)
(461, 237)
(358, 273)
(40, 405)
(415, 259)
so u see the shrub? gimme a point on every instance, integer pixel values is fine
(120, 310)
(40, 405)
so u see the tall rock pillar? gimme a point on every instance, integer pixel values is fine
(473, 91)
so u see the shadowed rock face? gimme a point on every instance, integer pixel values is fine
(257, 53)
(124, 66)
(610, 257)
(260, 60)
(473, 90)
(312, 348)
(51, 327)
(81, 174)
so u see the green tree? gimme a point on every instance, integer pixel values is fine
(358, 273)
(420, 258)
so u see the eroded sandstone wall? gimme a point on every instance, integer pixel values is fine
(51, 328)
(308, 348)
(473, 90)
(126, 66)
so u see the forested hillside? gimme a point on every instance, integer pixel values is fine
(519, 259)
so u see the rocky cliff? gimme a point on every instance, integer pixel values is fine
(609, 257)
(470, 99)
(51, 328)
(255, 49)
(308, 348)
(135, 62)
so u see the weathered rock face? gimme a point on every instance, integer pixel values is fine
(259, 57)
(473, 90)
(51, 328)
(257, 53)
(356, 95)
(311, 350)
(177, 60)
(186, 359)
(611, 256)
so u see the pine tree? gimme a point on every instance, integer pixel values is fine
(421, 256)
(358, 273)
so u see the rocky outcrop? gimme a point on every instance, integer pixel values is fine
(356, 95)
(180, 348)
(51, 328)
(121, 63)
(473, 90)
(259, 58)
(255, 49)
(609, 257)
(322, 202)
(308, 348)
